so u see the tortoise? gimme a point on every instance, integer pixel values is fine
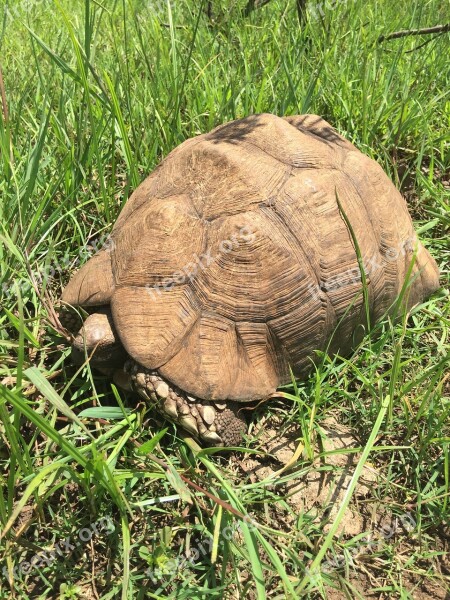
(237, 260)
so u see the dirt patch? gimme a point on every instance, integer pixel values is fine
(321, 491)
(418, 590)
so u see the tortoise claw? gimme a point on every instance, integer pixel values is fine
(189, 423)
(212, 438)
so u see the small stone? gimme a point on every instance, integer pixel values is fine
(220, 405)
(191, 399)
(162, 389)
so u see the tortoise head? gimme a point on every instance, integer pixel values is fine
(98, 340)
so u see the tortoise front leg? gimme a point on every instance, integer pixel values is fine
(213, 423)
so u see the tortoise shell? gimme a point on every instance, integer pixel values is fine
(235, 260)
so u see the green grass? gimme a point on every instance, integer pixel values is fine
(98, 93)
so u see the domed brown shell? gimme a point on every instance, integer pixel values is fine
(233, 261)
